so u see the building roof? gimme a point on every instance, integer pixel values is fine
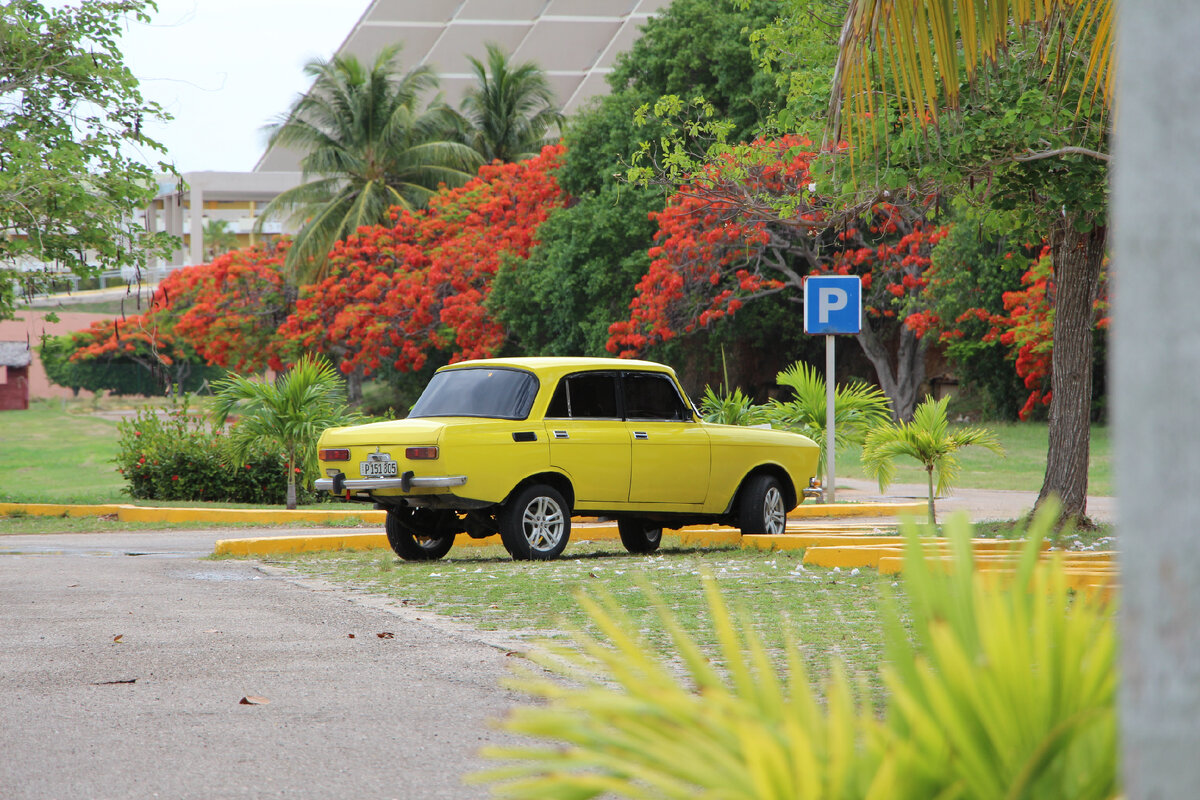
(15, 354)
(575, 42)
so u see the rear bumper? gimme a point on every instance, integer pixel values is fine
(405, 482)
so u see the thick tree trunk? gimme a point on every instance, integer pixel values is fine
(901, 384)
(1077, 261)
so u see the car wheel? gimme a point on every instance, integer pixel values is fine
(535, 523)
(414, 533)
(762, 509)
(639, 535)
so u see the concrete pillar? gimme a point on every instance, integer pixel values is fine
(1155, 385)
(196, 194)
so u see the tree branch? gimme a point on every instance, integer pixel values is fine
(1063, 151)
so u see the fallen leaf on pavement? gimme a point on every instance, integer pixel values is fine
(350, 636)
(114, 683)
(118, 637)
(386, 635)
(253, 700)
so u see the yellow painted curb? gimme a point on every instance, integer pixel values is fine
(59, 510)
(856, 510)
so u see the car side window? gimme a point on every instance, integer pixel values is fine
(650, 395)
(588, 395)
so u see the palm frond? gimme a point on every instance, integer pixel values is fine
(916, 44)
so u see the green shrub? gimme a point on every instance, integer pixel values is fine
(171, 454)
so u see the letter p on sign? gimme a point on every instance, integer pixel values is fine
(830, 299)
(833, 304)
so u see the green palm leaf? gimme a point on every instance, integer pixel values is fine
(921, 45)
(928, 440)
(367, 147)
(857, 408)
(292, 412)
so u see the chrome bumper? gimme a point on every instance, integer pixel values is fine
(405, 482)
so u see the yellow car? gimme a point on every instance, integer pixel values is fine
(515, 446)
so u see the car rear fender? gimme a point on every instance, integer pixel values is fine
(556, 479)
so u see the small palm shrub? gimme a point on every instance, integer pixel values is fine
(731, 408)
(289, 414)
(857, 407)
(928, 439)
(995, 690)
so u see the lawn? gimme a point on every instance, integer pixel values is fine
(58, 453)
(1021, 468)
(833, 614)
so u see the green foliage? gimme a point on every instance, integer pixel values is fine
(368, 146)
(699, 48)
(173, 454)
(290, 413)
(119, 375)
(71, 116)
(857, 408)
(929, 440)
(731, 408)
(972, 269)
(561, 300)
(1000, 689)
(219, 237)
(582, 275)
(508, 112)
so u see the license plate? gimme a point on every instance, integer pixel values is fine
(379, 468)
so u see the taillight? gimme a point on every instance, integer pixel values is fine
(333, 455)
(420, 453)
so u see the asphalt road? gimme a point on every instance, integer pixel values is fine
(123, 658)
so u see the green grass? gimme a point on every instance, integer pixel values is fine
(1021, 468)
(52, 456)
(833, 614)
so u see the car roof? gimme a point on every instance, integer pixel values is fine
(561, 365)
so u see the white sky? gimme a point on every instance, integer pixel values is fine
(226, 68)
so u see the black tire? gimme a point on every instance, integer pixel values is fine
(639, 535)
(535, 523)
(419, 534)
(762, 508)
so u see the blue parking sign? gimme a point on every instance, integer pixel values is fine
(833, 304)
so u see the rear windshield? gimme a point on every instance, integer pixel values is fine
(478, 392)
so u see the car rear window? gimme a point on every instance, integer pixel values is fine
(478, 392)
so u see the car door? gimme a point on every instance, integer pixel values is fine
(670, 450)
(588, 438)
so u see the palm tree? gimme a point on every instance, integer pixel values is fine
(218, 238)
(857, 408)
(927, 439)
(367, 147)
(292, 412)
(507, 114)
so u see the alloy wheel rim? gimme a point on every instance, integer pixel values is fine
(543, 523)
(773, 513)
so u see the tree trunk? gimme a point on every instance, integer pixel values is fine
(1077, 261)
(291, 490)
(901, 385)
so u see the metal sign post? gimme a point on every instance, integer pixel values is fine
(830, 470)
(832, 306)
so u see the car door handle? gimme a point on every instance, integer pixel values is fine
(561, 435)
(641, 435)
